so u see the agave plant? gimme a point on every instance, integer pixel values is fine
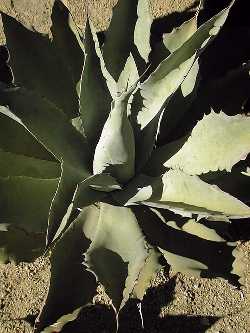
(93, 169)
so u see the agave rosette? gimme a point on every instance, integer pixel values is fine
(88, 169)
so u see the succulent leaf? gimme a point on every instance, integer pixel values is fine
(25, 200)
(40, 118)
(181, 188)
(160, 86)
(183, 194)
(179, 247)
(210, 147)
(69, 279)
(20, 165)
(94, 189)
(151, 267)
(178, 36)
(22, 143)
(63, 197)
(94, 110)
(116, 265)
(183, 264)
(134, 168)
(18, 245)
(142, 31)
(190, 266)
(111, 83)
(164, 81)
(120, 37)
(24, 208)
(58, 326)
(129, 76)
(115, 151)
(46, 69)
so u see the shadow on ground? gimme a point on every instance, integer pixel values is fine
(101, 318)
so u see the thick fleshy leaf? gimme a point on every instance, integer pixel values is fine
(151, 268)
(66, 39)
(46, 68)
(115, 151)
(129, 76)
(62, 199)
(236, 84)
(16, 244)
(197, 229)
(19, 165)
(193, 193)
(71, 285)
(217, 142)
(155, 165)
(183, 194)
(111, 83)
(187, 265)
(47, 124)
(179, 246)
(164, 81)
(142, 31)
(234, 183)
(94, 189)
(178, 36)
(58, 326)
(25, 201)
(95, 99)
(179, 107)
(15, 139)
(183, 264)
(160, 86)
(119, 38)
(116, 265)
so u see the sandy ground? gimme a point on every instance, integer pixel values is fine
(174, 303)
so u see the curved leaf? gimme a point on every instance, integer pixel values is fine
(164, 81)
(111, 83)
(71, 285)
(188, 265)
(129, 76)
(179, 35)
(25, 201)
(184, 194)
(191, 193)
(160, 86)
(67, 43)
(19, 165)
(47, 124)
(115, 151)
(94, 189)
(217, 142)
(179, 247)
(16, 244)
(116, 265)
(64, 195)
(93, 112)
(45, 69)
(15, 139)
(142, 31)
(151, 267)
(119, 37)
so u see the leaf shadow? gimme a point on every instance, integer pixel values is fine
(185, 244)
(155, 299)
